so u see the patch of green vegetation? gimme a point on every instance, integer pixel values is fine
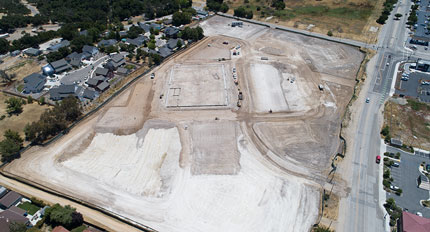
(340, 12)
(79, 229)
(129, 66)
(417, 106)
(30, 208)
(20, 87)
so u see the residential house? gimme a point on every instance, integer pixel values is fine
(90, 50)
(62, 92)
(11, 198)
(32, 52)
(116, 61)
(156, 26)
(168, 22)
(107, 43)
(18, 210)
(165, 51)
(122, 71)
(103, 86)
(89, 94)
(144, 26)
(48, 70)
(34, 83)
(62, 44)
(75, 55)
(15, 53)
(102, 72)
(139, 41)
(3, 191)
(202, 14)
(60, 66)
(93, 82)
(171, 32)
(172, 43)
(84, 33)
(8, 216)
(122, 33)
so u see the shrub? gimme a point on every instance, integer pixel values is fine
(399, 192)
(385, 131)
(329, 33)
(386, 183)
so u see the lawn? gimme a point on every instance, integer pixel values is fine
(31, 113)
(30, 208)
(410, 122)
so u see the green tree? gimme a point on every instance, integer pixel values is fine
(4, 46)
(29, 100)
(58, 215)
(10, 145)
(17, 227)
(329, 33)
(13, 105)
(181, 18)
(42, 100)
(179, 44)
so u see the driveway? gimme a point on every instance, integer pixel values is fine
(405, 177)
(82, 74)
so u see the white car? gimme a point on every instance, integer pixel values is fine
(419, 214)
(393, 187)
(367, 100)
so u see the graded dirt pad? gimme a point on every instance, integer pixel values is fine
(197, 85)
(214, 166)
(214, 148)
(267, 83)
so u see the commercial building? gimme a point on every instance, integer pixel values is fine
(409, 222)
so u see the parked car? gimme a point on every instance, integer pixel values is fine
(367, 100)
(393, 187)
(396, 165)
(378, 159)
(419, 214)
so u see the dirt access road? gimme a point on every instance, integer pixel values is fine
(177, 153)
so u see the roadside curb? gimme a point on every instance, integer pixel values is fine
(382, 193)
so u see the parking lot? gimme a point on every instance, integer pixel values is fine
(414, 88)
(405, 176)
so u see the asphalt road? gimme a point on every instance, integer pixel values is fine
(405, 176)
(364, 212)
(81, 74)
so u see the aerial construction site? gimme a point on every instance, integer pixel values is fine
(236, 133)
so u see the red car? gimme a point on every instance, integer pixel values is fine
(378, 159)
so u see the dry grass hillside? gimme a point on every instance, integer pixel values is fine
(344, 18)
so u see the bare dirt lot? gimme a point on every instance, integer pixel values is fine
(215, 166)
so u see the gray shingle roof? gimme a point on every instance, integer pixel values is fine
(62, 44)
(103, 86)
(102, 71)
(60, 65)
(107, 43)
(34, 83)
(93, 82)
(89, 94)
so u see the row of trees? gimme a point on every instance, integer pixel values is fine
(243, 13)
(388, 7)
(53, 121)
(217, 5)
(66, 216)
